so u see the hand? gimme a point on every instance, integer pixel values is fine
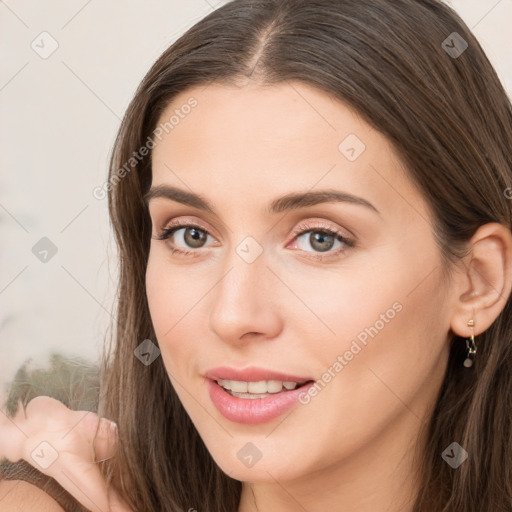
(65, 445)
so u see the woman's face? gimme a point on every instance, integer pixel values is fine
(259, 289)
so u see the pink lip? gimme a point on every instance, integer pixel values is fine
(257, 410)
(251, 374)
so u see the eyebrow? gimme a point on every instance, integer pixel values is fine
(288, 202)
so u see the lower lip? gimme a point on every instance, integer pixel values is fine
(252, 411)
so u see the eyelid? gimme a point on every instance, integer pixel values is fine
(348, 242)
(176, 225)
(318, 225)
(300, 230)
(185, 223)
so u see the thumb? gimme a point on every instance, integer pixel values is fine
(63, 444)
(79, 472)
(105, 439)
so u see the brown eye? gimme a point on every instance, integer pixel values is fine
(321, 241)
(183, 237)
(194, 237)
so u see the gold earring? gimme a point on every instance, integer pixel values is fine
(470, 346)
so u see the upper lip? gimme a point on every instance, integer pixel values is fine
(252, 374)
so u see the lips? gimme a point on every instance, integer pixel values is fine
(252, 374)
(253, 408)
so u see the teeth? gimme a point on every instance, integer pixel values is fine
(274, 386)
(238, 386)
(257, 388)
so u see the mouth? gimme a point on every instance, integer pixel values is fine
(254, 395)
(251, 390)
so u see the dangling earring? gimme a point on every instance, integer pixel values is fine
(470, 346)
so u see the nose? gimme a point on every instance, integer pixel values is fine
(245, 302)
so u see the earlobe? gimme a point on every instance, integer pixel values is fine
(484, 286)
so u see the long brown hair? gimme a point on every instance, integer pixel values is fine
(449, 119)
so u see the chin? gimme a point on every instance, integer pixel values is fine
(257, 461)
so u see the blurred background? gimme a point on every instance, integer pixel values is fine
(68, 71)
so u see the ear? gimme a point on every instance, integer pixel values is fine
(483, 286)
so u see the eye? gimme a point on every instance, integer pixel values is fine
(322, 239)
(183, 236)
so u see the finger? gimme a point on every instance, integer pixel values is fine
(45, 407)
(105, 440)
(85, 482)
(73, 466)
(64, 445)
(61, 445)
(79, 473)
(16, 432)
(101, 433)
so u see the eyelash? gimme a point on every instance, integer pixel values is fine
(301, 229)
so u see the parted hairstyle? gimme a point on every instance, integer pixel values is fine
(449, 119)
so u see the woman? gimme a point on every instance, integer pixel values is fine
(311, 204)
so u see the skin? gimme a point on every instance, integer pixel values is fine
(63, 444)
(351, 447)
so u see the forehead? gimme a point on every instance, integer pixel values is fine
(262, 140)
(256, 120)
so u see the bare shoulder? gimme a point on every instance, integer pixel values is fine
(20, 496)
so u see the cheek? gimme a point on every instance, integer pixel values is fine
(365, 311)
(385, 362)
(385, 321)
(172, 292)
(176, 302)
(379, 338)
(388, 354)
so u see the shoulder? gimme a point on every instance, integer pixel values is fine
(19, 496)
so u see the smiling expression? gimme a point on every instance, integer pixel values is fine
(302, 233)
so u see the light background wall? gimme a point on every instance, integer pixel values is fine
(58, 120)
